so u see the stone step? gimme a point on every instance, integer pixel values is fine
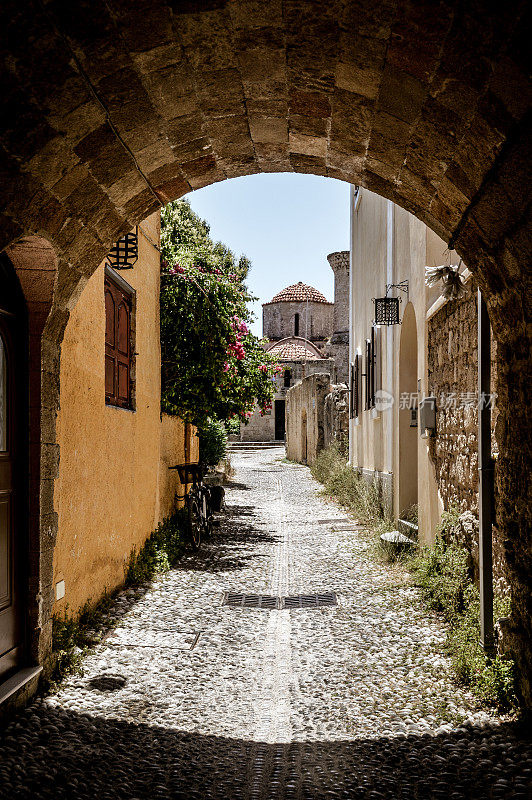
(408, 528)
(231, 446)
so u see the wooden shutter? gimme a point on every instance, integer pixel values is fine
(118, 351)
(368, 375)
(373, 361)
(354, 398)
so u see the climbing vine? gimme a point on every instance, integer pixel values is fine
(212, 365)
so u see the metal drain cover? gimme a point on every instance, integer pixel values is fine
(238, 600)
(271, 602)
(310, 600)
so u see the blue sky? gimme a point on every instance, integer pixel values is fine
(285, 223)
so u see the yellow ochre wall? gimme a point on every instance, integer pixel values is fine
(114, 486)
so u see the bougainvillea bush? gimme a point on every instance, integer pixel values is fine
(212, 365)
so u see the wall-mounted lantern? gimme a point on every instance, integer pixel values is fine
(387, 308)
(125, 252)
(427, 417)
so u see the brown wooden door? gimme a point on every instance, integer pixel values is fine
(11, 617)
(118, 305)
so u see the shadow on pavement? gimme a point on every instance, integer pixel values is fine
(51, 753)
(232, 546)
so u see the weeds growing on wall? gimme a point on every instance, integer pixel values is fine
(160, 551)
(73, 635)
(442, 574)
(348, 486)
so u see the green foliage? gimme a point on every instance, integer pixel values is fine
(410, 514)
(232, 426)
(212, 442)
(442, 574)
(448, 522)
(347, 485)
(212, 365)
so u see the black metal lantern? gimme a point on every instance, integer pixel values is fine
(387, 311)
(387, 308)
(124, 252)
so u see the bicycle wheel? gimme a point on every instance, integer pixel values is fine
(206, 508)
(194, 521)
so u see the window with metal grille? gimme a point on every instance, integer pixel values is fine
(296, 325)
(119, 298)
(287, 378)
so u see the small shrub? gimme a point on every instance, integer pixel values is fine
(212, 442)
(160, 551)
(410, 514)
(348, 485)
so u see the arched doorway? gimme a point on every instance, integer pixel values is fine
(13, 472)
(408, 438)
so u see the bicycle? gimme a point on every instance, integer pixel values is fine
(197, 501)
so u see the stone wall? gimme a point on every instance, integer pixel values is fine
(262, 428)
(305, 418)
(336, 416)
(318, 411)
(315, 320)
(452, 379)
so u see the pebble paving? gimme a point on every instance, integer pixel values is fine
(187, 698)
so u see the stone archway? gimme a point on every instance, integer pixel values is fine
(116, 108)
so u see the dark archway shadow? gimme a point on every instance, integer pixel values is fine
(52, 753)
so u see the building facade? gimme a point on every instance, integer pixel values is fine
(293, 313)
(431, 353)
(87, 447)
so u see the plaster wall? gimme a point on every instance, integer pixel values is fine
(113, 487)
(389, 245)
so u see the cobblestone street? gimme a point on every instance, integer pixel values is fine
(187, 698)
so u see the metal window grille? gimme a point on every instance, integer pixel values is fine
(125, 252)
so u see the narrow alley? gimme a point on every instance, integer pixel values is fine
(190, 698)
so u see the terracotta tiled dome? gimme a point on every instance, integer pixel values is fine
(294, 349)
(297, 293)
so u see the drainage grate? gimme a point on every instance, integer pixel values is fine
(270, 602)
(310, 600)
(238, 600)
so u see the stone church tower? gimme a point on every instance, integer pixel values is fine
(338, 346)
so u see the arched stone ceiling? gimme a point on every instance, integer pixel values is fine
(113, 107)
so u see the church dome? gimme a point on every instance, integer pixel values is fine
(299, 293)
(294, 348)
